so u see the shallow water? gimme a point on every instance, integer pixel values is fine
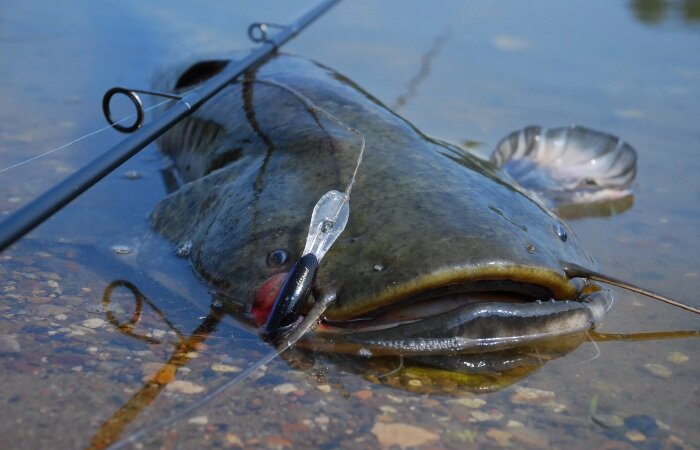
(467, 73)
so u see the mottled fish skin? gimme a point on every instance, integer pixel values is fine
(423, 214)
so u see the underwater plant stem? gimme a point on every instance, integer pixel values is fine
(309, 322)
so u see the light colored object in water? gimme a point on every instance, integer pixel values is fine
(568, 165)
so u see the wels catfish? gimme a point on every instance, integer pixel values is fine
(443, 252)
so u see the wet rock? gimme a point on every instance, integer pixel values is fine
(386, 409)
(402, 435)
(658, 370)
(184, 387)
(325, 388)
(677, 358)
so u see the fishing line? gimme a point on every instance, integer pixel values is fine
(312, 106)
(309, 322)
(112, 125)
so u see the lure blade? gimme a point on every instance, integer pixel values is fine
(328, 221)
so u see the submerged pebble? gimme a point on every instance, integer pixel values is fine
(635, 436)
(677, 358)
(502, 438)
(402, 435)
(286, 388)
(480, 416)
(469, 402)
(93, 323)
(534, 396)
(224, 368)
(658, 370)
(9, 343)
(184, 387)
(199, 420)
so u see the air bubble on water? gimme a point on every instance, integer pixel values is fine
(132, 175)
(561, 232)
(378, 267)
(530, 248)
(122, 250)
(183, 250)
(538, 301)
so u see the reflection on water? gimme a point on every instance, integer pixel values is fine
(655, 11)
(68, 373)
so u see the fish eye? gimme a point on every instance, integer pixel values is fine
(277, 258)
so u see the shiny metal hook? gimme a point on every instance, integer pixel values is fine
(257, 31)
(131, 94)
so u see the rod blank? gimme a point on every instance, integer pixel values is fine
(43, 207)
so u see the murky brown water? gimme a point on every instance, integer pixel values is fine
(466, 73)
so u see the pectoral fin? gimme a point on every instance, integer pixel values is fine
(568, 166)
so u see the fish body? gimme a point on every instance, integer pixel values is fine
(438, 241)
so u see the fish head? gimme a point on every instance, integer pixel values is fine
(442, 253)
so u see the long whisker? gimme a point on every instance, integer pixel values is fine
(575, 271)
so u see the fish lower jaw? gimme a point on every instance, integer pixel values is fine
(478, 326)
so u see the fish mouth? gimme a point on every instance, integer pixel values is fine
(467, 317)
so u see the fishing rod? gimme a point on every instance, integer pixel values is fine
(47, 204)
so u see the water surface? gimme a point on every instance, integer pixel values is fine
(467, 73)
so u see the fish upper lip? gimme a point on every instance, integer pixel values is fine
(450, 297)
(541, 282)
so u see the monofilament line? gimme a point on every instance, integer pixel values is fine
(27, 161)
(312, 106)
